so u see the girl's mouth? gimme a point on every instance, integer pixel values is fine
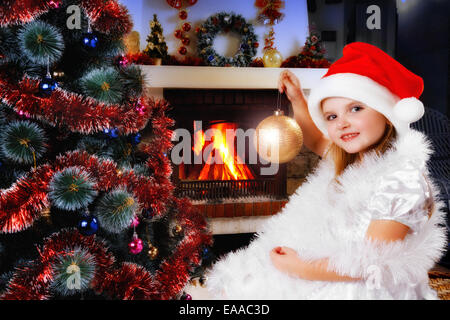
(349, 136)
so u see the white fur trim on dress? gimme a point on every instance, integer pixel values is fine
(321, 222)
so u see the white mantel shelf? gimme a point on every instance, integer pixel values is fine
(159, 77)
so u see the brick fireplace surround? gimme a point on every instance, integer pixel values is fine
(233, 88)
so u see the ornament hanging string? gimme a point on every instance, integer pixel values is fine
(278, 101)
(48, 75)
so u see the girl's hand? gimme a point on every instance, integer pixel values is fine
(286, 260)
(289, 83)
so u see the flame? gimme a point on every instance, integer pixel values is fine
(230, 166)
(199, 140)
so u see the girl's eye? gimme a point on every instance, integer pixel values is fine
(331, 117)
(356, 108)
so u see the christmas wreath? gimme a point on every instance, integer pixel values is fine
(226, 22)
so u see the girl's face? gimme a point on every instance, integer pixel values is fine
(352, 125)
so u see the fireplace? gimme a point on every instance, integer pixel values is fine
(241, 97)
(218, 168)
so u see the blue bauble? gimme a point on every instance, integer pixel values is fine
(90, 40)
(47, 86)
(88, 225)
(206, 253)
(112, 133)
(210, 58)
(147, 213)
(136, 138)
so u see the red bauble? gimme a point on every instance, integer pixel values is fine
(182, 50)
(183, 14)
(186, 41)
(174, 3)
(178, 34)
(192, 2)
(186, 27)
(256, 44)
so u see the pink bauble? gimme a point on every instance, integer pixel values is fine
(134, 222)
(135, 246)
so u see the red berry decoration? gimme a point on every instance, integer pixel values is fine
(186, 41)
(186, 27)
(183, 14)
(178, 34)
(174, 3)
(182, 50)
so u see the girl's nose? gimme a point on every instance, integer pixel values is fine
(343, 123)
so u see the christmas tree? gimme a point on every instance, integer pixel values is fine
(156, 46)
(312, 54)
(87, 208)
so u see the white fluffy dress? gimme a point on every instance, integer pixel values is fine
(325, 220)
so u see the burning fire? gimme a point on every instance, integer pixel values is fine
(222, 163)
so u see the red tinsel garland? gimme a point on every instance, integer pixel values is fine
(129, 281)
(108, 17)
(73, 111)
(33, 281)
(23, 11)
(174, 272)
(21, 204)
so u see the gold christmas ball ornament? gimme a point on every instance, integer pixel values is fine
(177, 230)
(132, 42)
(278, 138)
(272, 58)
(153, 252)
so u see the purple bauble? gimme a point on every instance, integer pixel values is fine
(186, 296)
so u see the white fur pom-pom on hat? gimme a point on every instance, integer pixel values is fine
(409, 110)
(368, 75)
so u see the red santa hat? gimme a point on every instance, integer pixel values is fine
(368, 75)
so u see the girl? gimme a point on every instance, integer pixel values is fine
(366, 224)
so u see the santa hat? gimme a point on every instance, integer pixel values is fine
(370, 76)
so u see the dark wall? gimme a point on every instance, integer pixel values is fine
(423, 47)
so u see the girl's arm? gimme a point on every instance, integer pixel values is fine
(287, 260)
(312, 137)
